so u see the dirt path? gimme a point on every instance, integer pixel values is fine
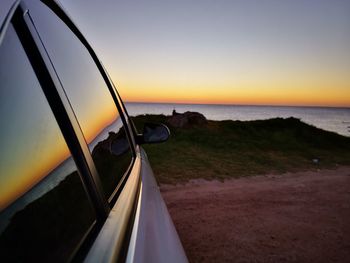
(300, 217)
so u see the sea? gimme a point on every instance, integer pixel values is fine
(331, 119)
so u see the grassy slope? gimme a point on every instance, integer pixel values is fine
(223, 149)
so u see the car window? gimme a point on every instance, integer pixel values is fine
(89, 96)
(44, 209)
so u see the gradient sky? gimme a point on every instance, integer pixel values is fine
(281, 52)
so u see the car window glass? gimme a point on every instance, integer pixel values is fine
(41, 191)
(89, 96)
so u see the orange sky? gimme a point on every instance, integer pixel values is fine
(33, 168)
(338, 98)
(233, 52)
(325, 91)
(53, 151)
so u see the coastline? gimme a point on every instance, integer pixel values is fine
(327, 118)
(206, 149)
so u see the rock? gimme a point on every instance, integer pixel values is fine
(187, 119)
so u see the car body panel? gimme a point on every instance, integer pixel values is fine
(155, 237)
(107, 245)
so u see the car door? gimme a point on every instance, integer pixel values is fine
(98, 146)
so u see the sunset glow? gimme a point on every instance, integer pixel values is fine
(53, 151)
(223, 52)
(249, 95)
(29, 174)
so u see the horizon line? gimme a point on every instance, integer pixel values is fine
(237, 104)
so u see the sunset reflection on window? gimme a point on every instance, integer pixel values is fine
(89, 96)
(40, 188)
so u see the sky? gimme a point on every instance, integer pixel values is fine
(255, 52)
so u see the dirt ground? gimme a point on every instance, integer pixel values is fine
(299, 217)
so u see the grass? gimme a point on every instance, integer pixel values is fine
(232, 149)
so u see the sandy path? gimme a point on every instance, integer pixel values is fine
(300, 217)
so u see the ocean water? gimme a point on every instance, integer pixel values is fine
(330, 119)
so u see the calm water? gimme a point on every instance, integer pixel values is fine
(331, 119)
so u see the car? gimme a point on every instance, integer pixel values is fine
(75, 182)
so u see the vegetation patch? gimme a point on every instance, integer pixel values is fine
(232, 149)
